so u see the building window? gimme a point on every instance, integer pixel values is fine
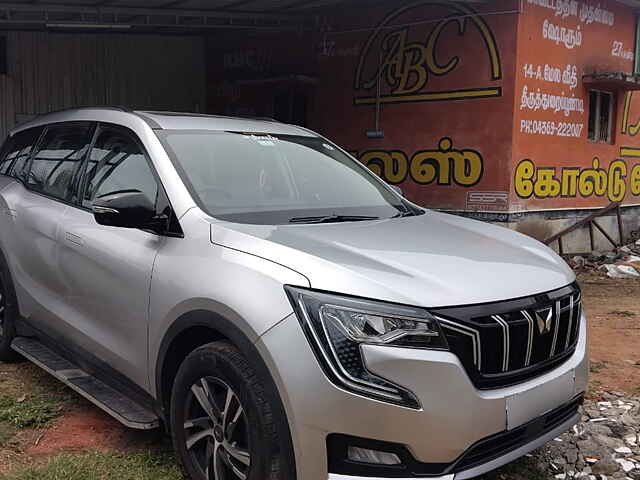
(600, 116)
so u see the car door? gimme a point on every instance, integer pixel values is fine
(107, 270)
(16, 152)
(46, 170)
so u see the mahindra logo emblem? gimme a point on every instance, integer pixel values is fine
(544, 318)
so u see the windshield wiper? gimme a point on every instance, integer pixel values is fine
(406, 213)
(332, 219)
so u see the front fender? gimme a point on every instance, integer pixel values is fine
(240, 290)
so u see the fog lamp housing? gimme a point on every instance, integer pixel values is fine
(374, 457)
(365, 457)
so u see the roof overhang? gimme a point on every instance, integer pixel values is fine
(160, 15)
(618, 81)
(173, 15)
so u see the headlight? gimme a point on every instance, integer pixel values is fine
(337, 326)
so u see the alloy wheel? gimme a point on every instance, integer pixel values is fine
(217, 431)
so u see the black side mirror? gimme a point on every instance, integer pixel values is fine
(128, 209)
(397, 189)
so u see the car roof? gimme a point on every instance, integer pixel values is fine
(168, 121)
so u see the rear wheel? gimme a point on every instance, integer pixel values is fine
(8, 309)
(222, 424)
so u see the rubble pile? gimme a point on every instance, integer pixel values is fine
(624, 262)
(605, 445)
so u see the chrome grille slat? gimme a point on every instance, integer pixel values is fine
(505, 341)
(552, 352)
(570, 326)
(576, 327)
(527, 360)
(474, 334)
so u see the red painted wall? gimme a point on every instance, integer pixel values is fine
(447, 98)
(558, 166)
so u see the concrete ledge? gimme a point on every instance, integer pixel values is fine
(543, 224)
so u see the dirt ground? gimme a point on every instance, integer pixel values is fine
(613, 311)
(612, 306)
(78, 430)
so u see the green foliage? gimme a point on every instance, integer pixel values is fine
(7, 433)
(102, 466)
(26, 411)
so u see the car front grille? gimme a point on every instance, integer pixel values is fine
(508, 342)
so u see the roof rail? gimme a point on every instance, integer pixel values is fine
(117, 108)
(262, 119)
(145, 114)
(193, 114)
(96, 107)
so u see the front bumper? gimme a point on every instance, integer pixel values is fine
(454, 415)
(491, 464)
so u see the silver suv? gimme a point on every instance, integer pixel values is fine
(283, 312)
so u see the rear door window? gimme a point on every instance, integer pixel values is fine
(17, 151)
(58, 157)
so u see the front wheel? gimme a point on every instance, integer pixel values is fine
(222, 424)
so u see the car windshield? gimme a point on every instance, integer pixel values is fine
(277, 179)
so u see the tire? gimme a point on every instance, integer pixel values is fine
(222, 423)
(8, 314)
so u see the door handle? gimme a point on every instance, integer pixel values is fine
(73, 238)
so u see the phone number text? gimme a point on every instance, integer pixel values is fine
(560, 129)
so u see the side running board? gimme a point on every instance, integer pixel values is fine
(116, 404)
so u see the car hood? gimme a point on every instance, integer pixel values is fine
(430, 260)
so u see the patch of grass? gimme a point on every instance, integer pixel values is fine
(7, 432)
(102, 466)
(24, 412)
(16, 379)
